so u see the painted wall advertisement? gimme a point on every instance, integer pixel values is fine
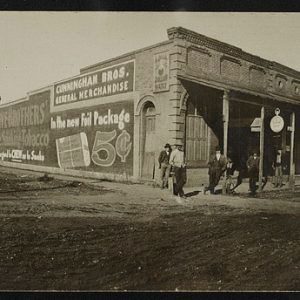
(161, 72)
(24, 130)
(94, 138)
(98, 138)
(110, 81)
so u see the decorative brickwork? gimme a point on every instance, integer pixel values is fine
(280, 84)
(257, 77)
(198, 60)
(222, 64)
(296, 88)
(230, 68)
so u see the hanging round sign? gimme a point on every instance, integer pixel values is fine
(277, 122)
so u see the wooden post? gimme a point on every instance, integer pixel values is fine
(225, 121)
(292, 165)
(225, 130)
(261, 149)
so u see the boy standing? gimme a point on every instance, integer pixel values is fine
(164, 165)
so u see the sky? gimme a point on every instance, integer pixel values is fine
(40, 48)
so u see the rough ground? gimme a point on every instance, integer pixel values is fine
(64, 235)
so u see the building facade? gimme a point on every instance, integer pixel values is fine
(113, 119)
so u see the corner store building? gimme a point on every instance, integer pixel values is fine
(113, 119)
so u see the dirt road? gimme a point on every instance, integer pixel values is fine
(64, 235)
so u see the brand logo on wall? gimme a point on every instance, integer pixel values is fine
(24, 130)
(161, 72)
(110, 81)
(277, 122)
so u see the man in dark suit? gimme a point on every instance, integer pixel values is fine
(217, 166)
(164, 165)
(253, 170)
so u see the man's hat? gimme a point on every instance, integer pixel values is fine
(167, 146)
(218, 148)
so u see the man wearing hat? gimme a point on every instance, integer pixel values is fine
(177, 161)
(164, 165)
(217, 165)
(253, 170)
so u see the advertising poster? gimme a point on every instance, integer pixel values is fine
(118, 79)
(73, 151)
(98, 138)
(24, 131)
(161, 72)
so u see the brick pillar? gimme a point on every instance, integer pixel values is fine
(176, 116)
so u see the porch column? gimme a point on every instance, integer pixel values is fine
(225, 121)
(292, 164)
(261, 148)
(225, 130)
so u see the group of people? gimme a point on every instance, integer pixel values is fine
(172, 163)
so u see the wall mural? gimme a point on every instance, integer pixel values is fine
(24, 130)
(98, 138)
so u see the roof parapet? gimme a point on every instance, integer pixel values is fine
(200, 39)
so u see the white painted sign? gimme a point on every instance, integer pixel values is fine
(161, 72)
(256, 125)
(277, 122)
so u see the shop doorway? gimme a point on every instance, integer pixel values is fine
(243, 135)
(148, 141)
(197, 140)
(204, 127)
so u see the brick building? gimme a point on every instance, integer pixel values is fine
(113, 119)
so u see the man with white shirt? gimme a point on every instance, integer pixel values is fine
(177, 161)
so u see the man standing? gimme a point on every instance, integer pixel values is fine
(164, 165)
(253, 170)
(277, 166)
(177, 161)
(217, 165)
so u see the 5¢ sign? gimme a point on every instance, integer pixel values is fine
(102, 145)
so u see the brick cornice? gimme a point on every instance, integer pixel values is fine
(199, 39)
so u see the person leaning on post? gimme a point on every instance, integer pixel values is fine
(177, 162)
(164, 165)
